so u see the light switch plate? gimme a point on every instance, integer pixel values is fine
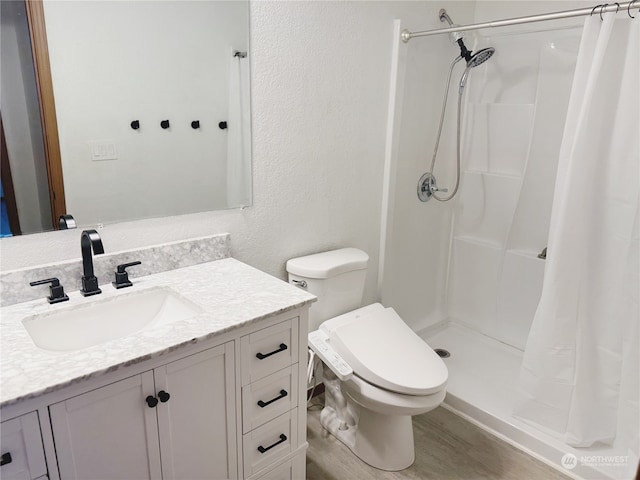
(103, 151)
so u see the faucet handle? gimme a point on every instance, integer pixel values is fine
(56, 291)
(122, 277)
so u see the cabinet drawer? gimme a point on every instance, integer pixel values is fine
(269, 397)
(270, 442)
(269, 350)
(292, 469)
(22, 451)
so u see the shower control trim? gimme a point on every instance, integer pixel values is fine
(318, 343)
(427, 186)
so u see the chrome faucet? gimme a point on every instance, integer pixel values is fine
(90, 240)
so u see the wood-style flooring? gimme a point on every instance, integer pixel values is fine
(447, 448)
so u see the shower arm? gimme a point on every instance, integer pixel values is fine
(456, 37)
(445, 16)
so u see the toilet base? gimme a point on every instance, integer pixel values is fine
(382, 441)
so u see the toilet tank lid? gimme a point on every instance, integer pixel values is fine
(328, 264)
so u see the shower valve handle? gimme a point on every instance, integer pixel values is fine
(427, 186)
(433, 187)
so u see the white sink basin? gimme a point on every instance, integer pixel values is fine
(96, 322)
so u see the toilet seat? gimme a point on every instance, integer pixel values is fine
(385, 352)
(389, 403)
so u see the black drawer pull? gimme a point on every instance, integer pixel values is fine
(6, 459)
(151, 401)
(283, 438)
(283, 393)
(262, 356)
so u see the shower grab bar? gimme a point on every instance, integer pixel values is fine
(406, 35)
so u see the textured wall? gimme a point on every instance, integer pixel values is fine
(320, 75)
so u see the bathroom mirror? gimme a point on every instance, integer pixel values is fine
(152, 107)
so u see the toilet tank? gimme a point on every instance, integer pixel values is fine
(336, 277)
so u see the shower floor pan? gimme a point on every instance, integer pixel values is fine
(481, 385)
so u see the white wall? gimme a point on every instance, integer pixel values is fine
(21, 121)
(320, 74)
(115, 62)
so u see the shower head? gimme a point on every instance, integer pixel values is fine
(480, 57)
(474, 60)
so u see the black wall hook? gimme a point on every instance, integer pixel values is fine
(135, 124)
(195, 124)
(164, 124)
(222, 125)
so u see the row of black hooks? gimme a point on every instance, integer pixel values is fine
(166, 124)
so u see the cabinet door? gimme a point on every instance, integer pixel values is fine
(108, 433)
(197, 422)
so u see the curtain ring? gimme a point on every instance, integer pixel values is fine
(629, 9)
(601, 9)
(594, 9)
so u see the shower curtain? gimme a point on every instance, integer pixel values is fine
(579, 375)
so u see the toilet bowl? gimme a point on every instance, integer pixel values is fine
(395, 375)
(384, 372)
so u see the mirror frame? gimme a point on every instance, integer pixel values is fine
(44, 85)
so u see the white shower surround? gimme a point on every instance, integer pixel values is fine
(481, 303)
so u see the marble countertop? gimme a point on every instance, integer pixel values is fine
(231, 294)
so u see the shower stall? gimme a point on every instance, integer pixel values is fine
(548, 365)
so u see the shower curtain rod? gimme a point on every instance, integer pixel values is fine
(406, 35)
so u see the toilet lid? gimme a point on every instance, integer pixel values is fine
(384, 351)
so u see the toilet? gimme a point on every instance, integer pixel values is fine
(377, 372)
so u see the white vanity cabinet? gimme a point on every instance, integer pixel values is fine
(174, 422)
(228, 406)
